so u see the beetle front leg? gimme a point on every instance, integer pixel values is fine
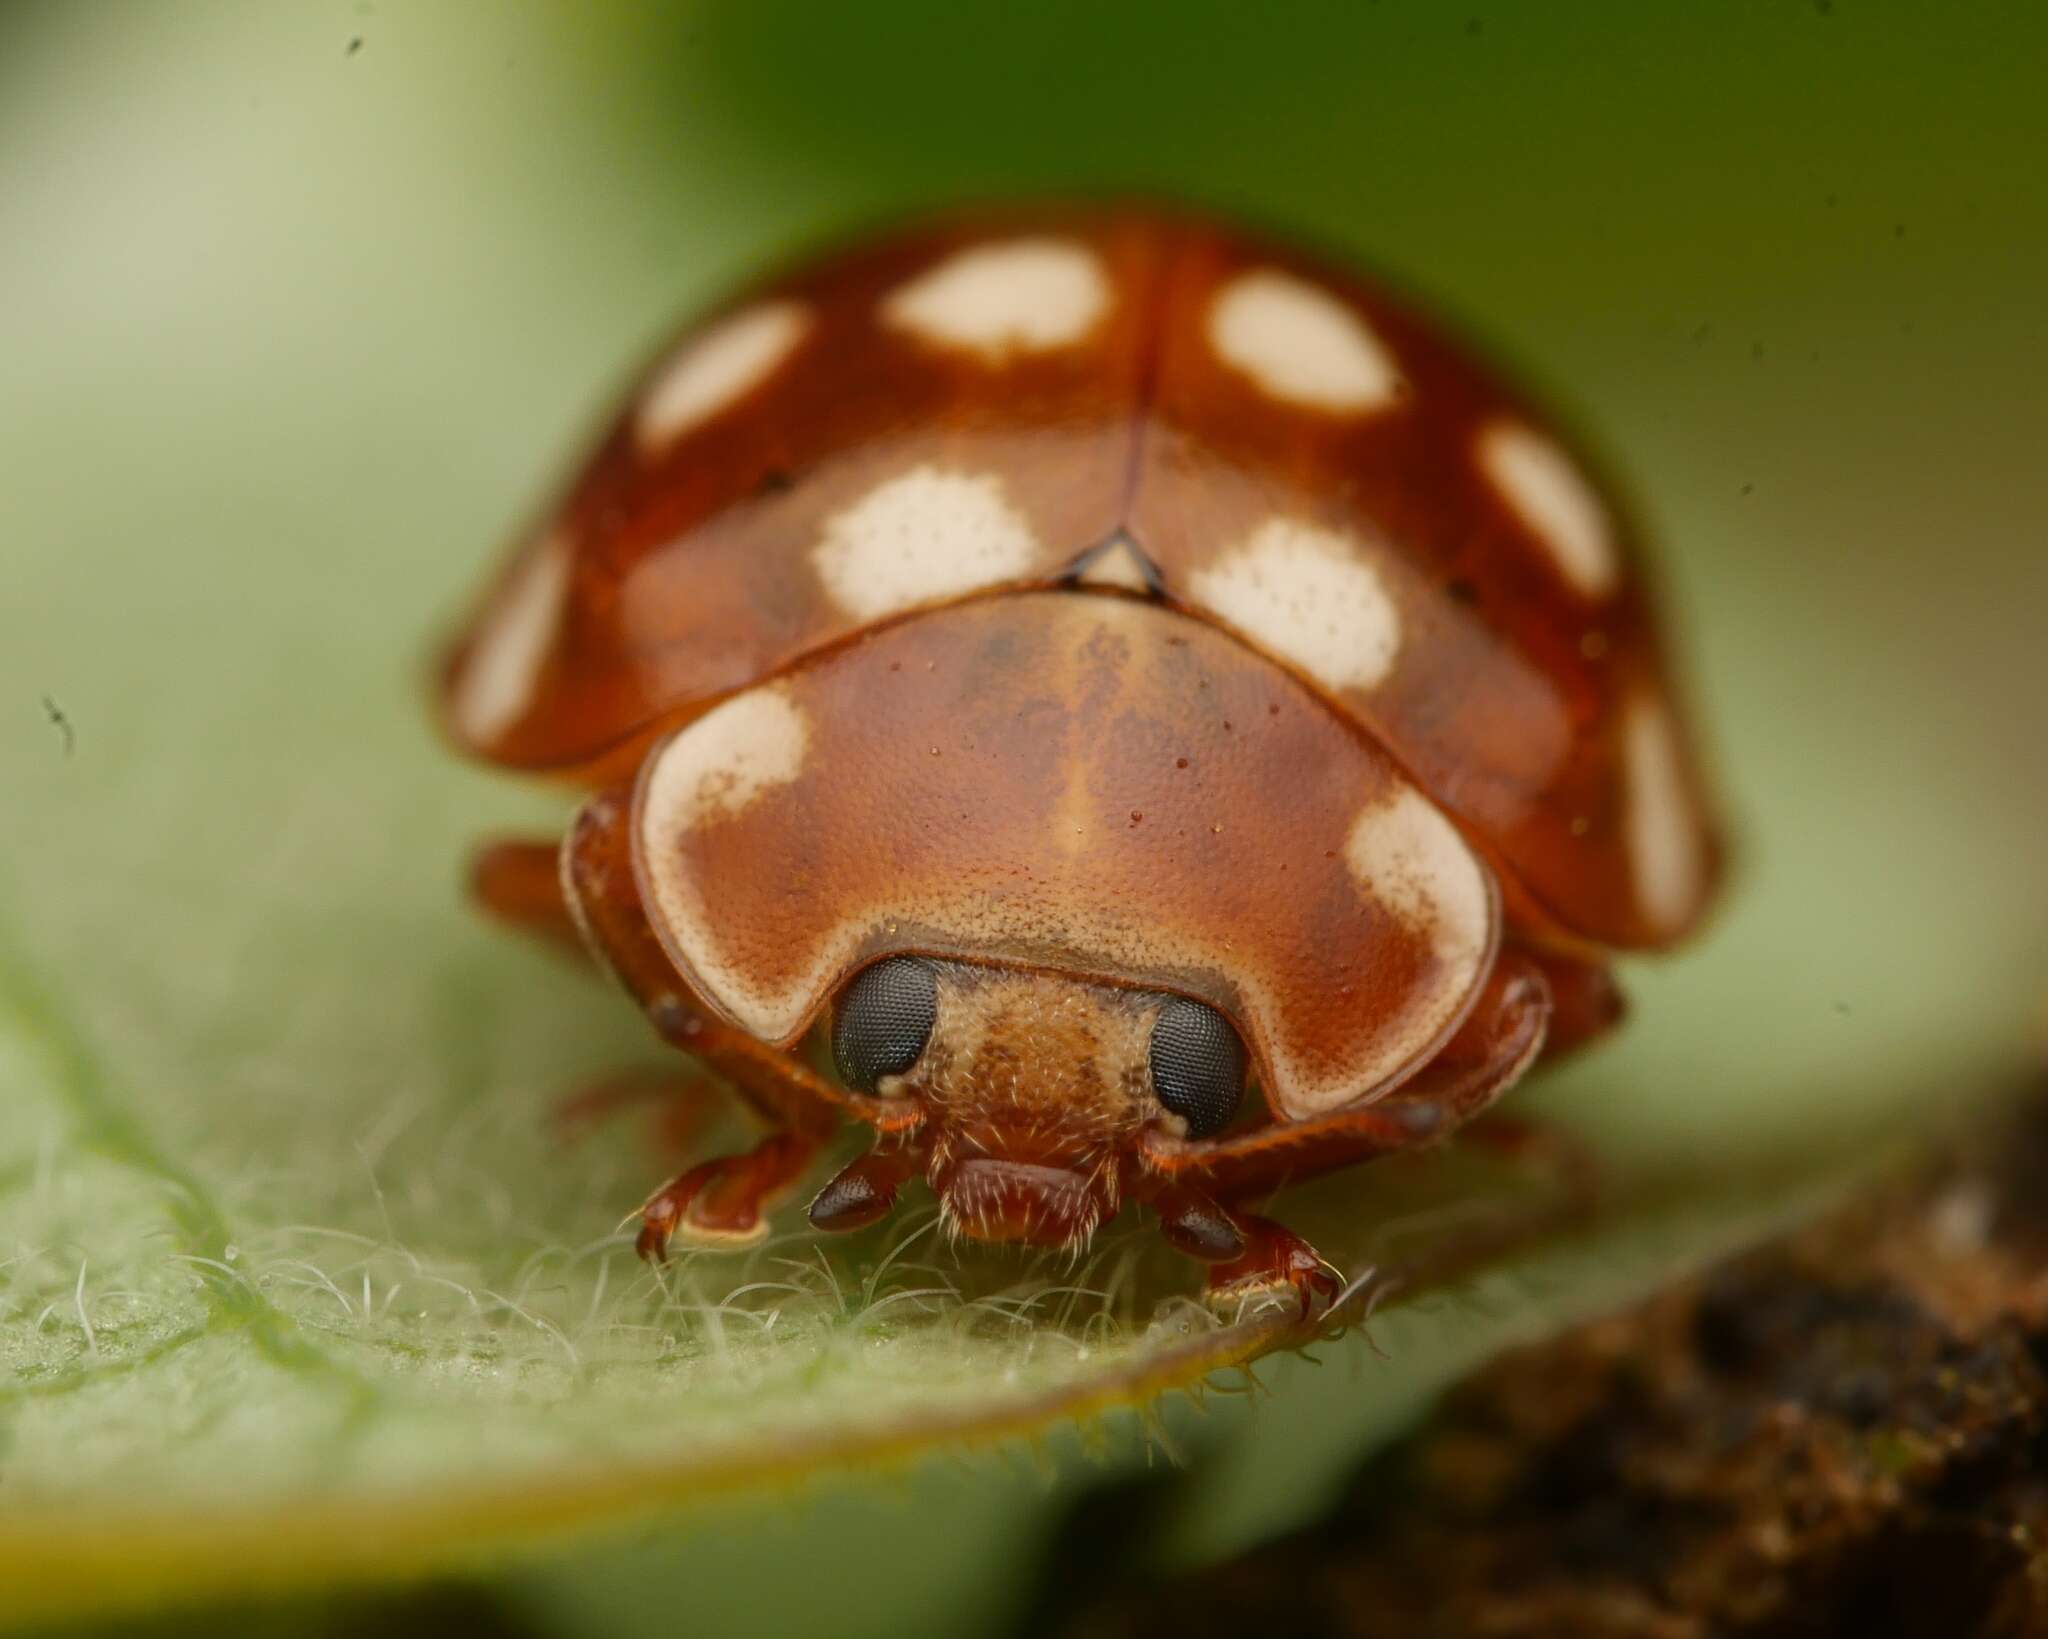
(1275, 1261)
(1247, 1255)
(722, 1201)
(1495, 1045)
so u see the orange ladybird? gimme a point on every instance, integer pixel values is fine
(1082, 664)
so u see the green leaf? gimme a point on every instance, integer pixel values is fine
(297, 1284)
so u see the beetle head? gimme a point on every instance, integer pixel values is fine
(1034, 1085)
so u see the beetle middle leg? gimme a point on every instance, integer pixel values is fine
(683, 1098)
(1585, 1002)
(518, 883)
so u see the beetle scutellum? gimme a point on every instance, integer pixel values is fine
(1079, 661)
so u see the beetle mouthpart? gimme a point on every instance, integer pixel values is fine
(990, 1200)
(861, 1194)
(1197, 1226)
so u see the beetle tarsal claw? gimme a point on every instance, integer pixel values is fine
(714, 1238)
(1277, 1266)
(1250, 1299)
(723, 1202)
(1254, 1295)
(663, 1224)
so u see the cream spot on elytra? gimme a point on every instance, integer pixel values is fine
(1301, 343)
(717, 368)
(1021, 295)
(495, 683)
(921, 537)
(1665, 847)
(1553, 497)
(1408, 857)
(1309, 596)
(718, 765)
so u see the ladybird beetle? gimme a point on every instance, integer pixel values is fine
(1067, 668)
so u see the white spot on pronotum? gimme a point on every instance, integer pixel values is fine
(1309, 596)
(1411, 859)
(1301, 343)
(1552, 496)
(718, 765)
(921, 537)
(494, 685)
(1665, 847)
(717, 367)
(1021, 295)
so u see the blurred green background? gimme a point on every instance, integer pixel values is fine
(304, 307)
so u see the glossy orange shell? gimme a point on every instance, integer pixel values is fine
(1094, 785)
(1253, 437)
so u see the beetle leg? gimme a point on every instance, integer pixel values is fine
(1585, 1002)
(519, 884)
(1247, 1255)
(1494, 1046)
(719, 1201)
(1505, 1032)
(1275, 1260)
(683, 1097)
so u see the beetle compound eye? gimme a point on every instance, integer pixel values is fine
(883, 1021)
(1197, 1065)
